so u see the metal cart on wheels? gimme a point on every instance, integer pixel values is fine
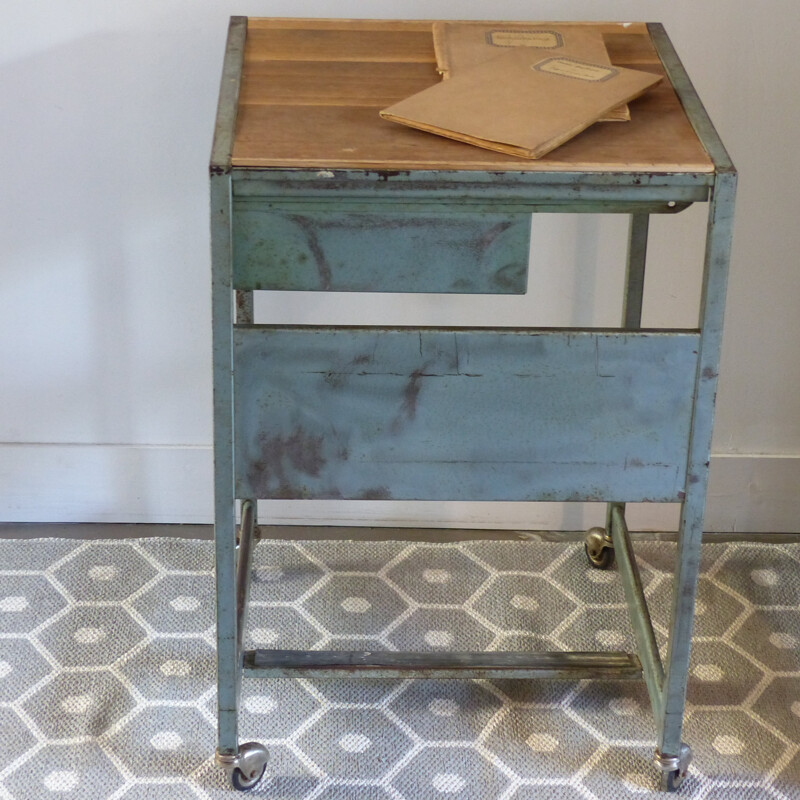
(311, 191)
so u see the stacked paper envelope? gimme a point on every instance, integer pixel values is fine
(520, 90)
(461, 45)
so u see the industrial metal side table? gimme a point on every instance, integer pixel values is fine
(311, 191)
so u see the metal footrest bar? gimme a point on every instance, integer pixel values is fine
(652, 668)
(388, 664)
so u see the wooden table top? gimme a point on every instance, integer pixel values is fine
(311, 91)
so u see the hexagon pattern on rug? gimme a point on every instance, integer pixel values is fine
(107, 672)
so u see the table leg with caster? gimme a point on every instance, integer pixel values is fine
(673, 768)
(246, 768)
(598, 544)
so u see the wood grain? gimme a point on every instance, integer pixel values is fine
(344, 83)
(312, 90)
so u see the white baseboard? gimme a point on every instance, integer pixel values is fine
(105, 483)
(155, 484)
(754, 494)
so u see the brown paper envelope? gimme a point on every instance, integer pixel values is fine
(522, 102)
(462, 45)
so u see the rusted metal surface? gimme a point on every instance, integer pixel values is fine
(452, 665)
(456, 414)
(462, 414)
(380, 252)
(433, 186)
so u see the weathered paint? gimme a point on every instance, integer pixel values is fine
(228, 650)
(470, 185)
(712, 309)
(380, 252)
(462, 414)
(411, 410)
(387, 664)
(224, 498)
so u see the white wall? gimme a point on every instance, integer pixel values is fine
(105, 398)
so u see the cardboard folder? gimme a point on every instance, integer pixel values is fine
(463, 45)
(523, 102)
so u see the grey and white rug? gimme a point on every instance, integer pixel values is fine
(107, 672)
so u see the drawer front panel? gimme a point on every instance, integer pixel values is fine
(380, 251)
(462, 415)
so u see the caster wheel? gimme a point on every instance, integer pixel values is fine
(242, 783)
(671, 781)
(250, 764)
(598, 548)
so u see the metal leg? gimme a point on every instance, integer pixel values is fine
(224, 509)
(245, 315)
(634, 278)
(599, 545)
(245, 764)
(672, 755)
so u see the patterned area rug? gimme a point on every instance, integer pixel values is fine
(107, 672)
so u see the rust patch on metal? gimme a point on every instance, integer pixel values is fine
(335, 379)
(510, 276)
(304, 451)
(408, 410)
(411, 393)
(708, 373)
(385, 174)
(378, 493)
(488, 238)
(299, 450)
(323, 267)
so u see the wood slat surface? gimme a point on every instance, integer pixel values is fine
(312, 89)
(300, 82)
(340, 45)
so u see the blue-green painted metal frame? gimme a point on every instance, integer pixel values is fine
(321, 191)
(228, 649)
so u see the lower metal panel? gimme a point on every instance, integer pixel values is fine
(462, 414)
